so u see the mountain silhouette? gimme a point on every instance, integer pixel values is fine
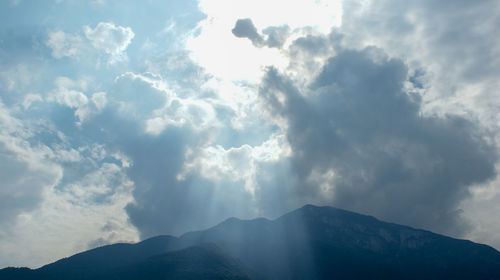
(308, 243)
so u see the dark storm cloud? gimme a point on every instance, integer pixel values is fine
(244, 28)
(165, 204)
(275, 36)
(311, 44)
(388, 159)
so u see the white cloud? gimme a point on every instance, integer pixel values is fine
(140, 95)
(70, 98)
(106, 37)
(72, 210)
(70, 93)
(100, 100)
(150, 98)
(67, 93)
(21, 78)
(64, 44)
(481, 211)
(195, 113)
(237, 163)
(33, 202)
(240, 98)
(65, 155)
(31, 98)
(452, 46)
(25, 169)
(110, 38)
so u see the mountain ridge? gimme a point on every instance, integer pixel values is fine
(310, 242)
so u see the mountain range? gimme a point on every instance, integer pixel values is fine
(308, 243)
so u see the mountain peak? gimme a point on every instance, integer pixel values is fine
(310, 211)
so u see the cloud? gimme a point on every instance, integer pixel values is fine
(244, 28)
(156, 162)
(57, 183)
(276, 36)
(450, 50)
(168, 134)
(31, 99)
(106, 37)
(70, 93)
(90, 210)
(99, 99)
(194, 113)
(63, 44)
(139, 94)
(150, 98)
(164, 203)
(110, 38)
(237, 164)
(65, 96)
(67, 93)
(22, 183)
(170, 194)
(480, 211)
(452, 42)
(25, 170)
(358, 140)
(20, 78)
(340, 137)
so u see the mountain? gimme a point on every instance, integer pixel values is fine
(203, 261)
(196, 262)
(308, 243)
(328, 243)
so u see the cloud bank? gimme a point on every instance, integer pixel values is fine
(359, 140)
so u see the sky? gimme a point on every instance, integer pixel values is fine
(122, 120)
